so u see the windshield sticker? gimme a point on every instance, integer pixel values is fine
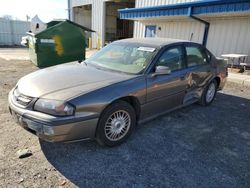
(146, 49)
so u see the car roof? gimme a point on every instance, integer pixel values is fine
(151, 42)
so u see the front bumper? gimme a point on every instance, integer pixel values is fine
(54, 129)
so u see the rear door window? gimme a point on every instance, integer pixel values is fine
(195, 56)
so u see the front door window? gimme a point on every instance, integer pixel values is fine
(172, 58)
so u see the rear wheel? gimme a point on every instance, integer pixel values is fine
(209, 93)
(116, 124)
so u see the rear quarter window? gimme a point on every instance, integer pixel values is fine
(209, 55)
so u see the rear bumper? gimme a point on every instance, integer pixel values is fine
(223, 80)
(54, 129)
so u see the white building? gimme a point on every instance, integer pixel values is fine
(223, 25)
(12, 31)
(102, 16)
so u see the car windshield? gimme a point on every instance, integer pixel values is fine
(123, 58)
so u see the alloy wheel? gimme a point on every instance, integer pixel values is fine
(117, 125)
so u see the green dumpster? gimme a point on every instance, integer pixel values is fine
(62, 41)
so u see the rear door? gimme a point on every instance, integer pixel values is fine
(165, 92)
(199, 70)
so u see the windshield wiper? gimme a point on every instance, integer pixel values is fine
(81, 61)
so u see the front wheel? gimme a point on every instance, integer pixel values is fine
(116, 124)
(209, 93)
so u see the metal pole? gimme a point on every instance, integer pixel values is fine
(69, 10)
(207, 26)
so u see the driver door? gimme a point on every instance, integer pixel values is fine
(165, 92)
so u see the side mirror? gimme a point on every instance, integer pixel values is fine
(162, 70)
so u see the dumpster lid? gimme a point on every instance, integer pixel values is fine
(57, 21)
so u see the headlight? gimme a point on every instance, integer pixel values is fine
(53, 107)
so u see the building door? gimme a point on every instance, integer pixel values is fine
(150, 31)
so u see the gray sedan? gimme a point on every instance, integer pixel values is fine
(126, 83)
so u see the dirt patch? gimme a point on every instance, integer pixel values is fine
(14, 54)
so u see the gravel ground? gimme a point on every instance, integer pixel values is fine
(192, 147)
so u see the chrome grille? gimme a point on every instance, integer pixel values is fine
(21, 99)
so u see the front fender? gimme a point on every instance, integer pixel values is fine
(96, 101)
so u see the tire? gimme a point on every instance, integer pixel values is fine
(116, 124)
(209, 93)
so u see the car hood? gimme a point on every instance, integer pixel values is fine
(66, 81)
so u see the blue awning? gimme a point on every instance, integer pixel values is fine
(206, 7)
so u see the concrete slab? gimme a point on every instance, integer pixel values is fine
(14, 54)
(239, 79)
(23, 53)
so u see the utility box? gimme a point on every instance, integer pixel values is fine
(63, 41)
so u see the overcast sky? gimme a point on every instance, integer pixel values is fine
(45, 9)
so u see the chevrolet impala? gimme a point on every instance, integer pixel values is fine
(126, 83)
